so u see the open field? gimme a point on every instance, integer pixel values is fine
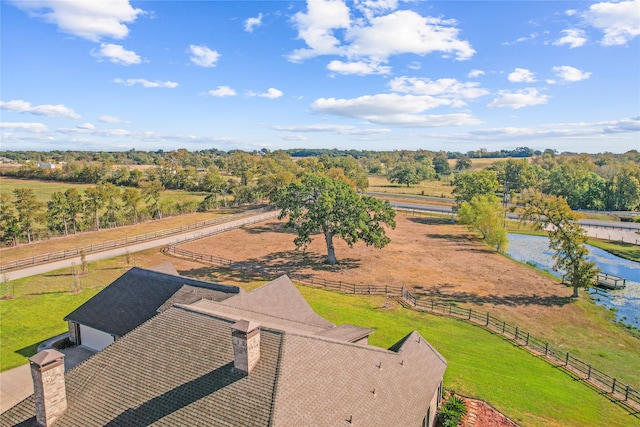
(449, 263)
(44, 189)
(480, 364)
(379, 183)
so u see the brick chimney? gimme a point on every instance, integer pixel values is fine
(245, 336)
(47, 371)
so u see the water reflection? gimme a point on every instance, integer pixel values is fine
(535, 249)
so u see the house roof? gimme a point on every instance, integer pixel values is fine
(177, 369)
(138, 294)
(280, 303)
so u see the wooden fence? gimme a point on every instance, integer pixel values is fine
(97, 247)
(615, 388)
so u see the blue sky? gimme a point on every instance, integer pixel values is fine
(369, 74)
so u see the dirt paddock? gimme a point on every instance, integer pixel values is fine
(429, 255)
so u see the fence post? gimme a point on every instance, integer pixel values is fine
(527, 339)
(566, 361)
(469, 315)
(589, 372)
(487, 324)
(503, 325)
(516, 335)
(432, 305)
(626, 394)
(546, 348)
(450, 308)
(613, 387)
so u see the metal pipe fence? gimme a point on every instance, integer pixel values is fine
(615, 388)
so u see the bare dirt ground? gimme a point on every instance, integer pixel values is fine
(429, 255)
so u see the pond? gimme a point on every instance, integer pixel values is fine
(535, 249)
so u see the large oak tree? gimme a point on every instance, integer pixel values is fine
(320, 204)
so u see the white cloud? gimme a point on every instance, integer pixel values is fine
(327, 29)
(203, 56)
(570, 74)
(91, 20)
(147, 83)
(20, 106)
(521, 75)
(570, 12)
(522, 39)
(271, 93)
(393, 109)
(519, 99)
(109, 119)
(446, 88)
(251, 23)
(620, 21)
(86, 126)
(415, 65)
(294, 137)
(26, 127)
(222, 91)
(572, 37)
(625, 125)
(316, 28)
(358, 67)
(475, 73)
(339, 129)
(116, 54)
(405, 31)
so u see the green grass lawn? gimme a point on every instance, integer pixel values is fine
(28, 320)
(481, 364)
(42, 189)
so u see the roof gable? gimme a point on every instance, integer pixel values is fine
(279, 298)
(135, 297)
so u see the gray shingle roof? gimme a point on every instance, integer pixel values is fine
(177, 369)
(135, 297)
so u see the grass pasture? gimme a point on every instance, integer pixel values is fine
(432, 188)
(42, 189)
(481, 364)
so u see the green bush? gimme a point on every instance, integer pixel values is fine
(451, 412)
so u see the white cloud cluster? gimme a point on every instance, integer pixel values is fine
(572, 37)
(251, 23)
(147, 83)
(339, 129)
(358, 67)
(568, 74)
(222, 91)
(271, 93)
(519, 99)
(91, 20)
(393, 109)
(521, 75)
(20, 106)
(327, 29)
(116, 54)
(109, 119)
(620, 21)
(25, 127)
(203, 56)
(445, 88)
(475, 73)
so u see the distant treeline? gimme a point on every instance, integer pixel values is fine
(206, 158)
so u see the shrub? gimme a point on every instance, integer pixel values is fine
(451, 412)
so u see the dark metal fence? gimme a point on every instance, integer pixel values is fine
(615, 388)
(97, 247)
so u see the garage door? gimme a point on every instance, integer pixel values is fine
(93, 338)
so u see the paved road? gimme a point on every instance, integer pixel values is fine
(66, 263)
(609, 230)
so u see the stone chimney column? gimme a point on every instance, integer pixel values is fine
(47, 371)
(245, 336)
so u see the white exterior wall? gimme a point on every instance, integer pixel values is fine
(94, 339)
